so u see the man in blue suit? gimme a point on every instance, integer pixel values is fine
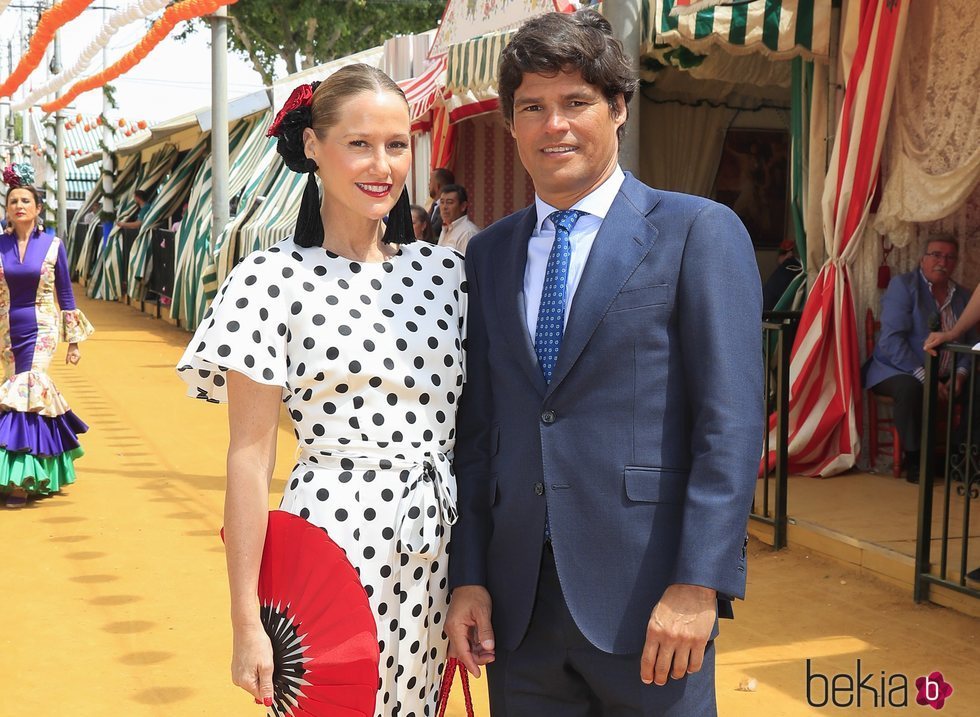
(610, 428)
(924, 300)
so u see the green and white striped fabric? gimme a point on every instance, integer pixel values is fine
(472, 64)
(781, 29)
(106, 283)
(90, 250)
(263, 158)
(172, 194)
(275, 218)
(195, 271)
(92, 203)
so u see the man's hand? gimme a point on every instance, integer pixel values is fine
(678, 632)
(936, 339)
(468, 627)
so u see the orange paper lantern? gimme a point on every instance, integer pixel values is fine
(78, 118)
(141, 124)
(122, 122)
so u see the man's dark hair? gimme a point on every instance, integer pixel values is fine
(443, 176)
(142, 194)
(558, 42)
(459, 189)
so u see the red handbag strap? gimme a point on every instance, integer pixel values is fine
(452, 664)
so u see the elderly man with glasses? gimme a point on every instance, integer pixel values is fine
(923, 300)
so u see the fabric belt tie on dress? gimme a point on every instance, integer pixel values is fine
(428, 507)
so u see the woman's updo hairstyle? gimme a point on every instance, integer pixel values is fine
(319, 106)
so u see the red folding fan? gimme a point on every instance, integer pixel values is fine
(323, 632)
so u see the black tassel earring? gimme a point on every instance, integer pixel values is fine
(399, 229)
(309, 224)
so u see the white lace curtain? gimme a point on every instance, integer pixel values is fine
(932, 154)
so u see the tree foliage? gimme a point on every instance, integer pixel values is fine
(306, 33)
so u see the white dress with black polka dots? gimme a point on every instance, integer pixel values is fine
(370, 358)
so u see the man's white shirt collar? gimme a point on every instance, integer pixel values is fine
(597, 202)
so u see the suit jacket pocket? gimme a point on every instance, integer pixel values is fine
(655, 485)
(656, 295)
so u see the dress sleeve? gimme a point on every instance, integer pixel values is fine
(74, 326)
(244, 330)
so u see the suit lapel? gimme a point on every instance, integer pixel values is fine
(623, 241)
(511, 302)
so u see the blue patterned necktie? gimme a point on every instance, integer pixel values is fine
(551, 314)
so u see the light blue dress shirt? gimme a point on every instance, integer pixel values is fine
(539, 245)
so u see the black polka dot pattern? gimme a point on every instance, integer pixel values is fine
(370, 361)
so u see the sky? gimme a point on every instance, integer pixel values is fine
(174, 78)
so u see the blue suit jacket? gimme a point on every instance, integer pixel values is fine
(906, 308)
(646, 444)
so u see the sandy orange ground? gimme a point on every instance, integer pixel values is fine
(115, 597)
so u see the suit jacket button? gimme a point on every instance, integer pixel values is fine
(548, 417)
(539, 489)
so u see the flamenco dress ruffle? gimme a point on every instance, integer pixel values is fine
(38, 431)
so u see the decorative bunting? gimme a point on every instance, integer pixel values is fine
(50, 22)
(115, 22)
(176, 13)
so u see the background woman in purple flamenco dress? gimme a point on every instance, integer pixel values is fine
(38, 431)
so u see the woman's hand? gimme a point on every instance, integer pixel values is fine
(251, 662)
(937, 339)
(74, 355)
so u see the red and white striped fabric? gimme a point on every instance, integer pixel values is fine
(421, 91)
(825, 389)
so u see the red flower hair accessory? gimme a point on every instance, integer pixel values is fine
(301, 98)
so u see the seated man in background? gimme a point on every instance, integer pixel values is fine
(914, 304)
(142, 209)
(457, 229)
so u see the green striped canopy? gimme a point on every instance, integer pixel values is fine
(126, 176)
(229, 248)
(472, 64)
(175, 190)
(275, 218)
(92, 203)
(195, 270)
(781, 29)
(106, 281)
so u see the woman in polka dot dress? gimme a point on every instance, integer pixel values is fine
(362, 338)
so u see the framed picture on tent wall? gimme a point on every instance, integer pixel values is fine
(753, 179)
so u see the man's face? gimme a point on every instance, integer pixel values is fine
(939, 262)
(450, 207)
(566, 135)
(433, 186)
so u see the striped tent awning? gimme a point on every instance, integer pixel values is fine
(106, 281)
(471, 75)
(173, 192)
(780, 29)
(472, 65)
(89, 252)
(195, 270)
(421, 91)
